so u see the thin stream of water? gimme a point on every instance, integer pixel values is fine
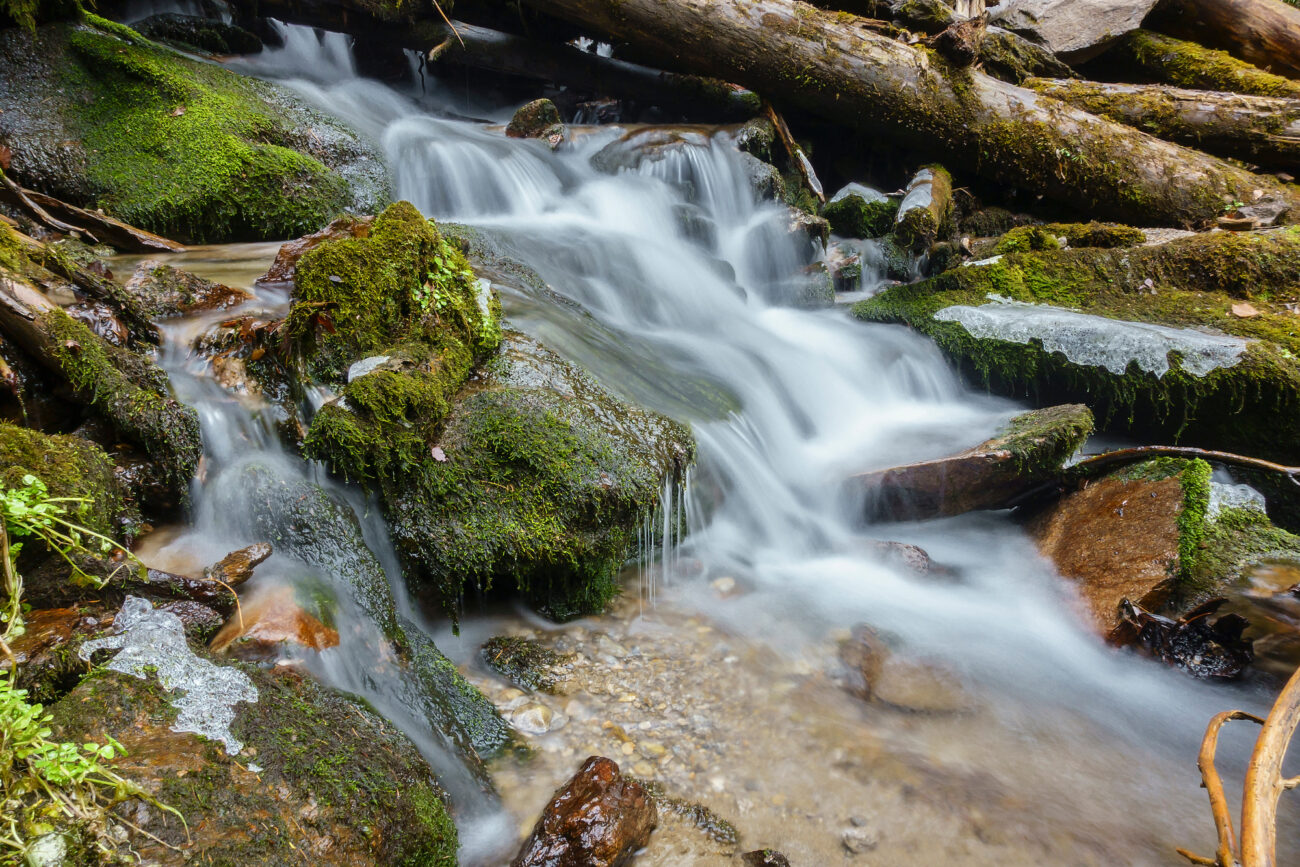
(785, 403)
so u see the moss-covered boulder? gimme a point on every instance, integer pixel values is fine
(860, 212)
(1191, 340)
(316, 775)
(199, 34)
(538, 119)
(98, 115)
(68, 467)
(1049, 237)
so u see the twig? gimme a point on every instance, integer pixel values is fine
(449, 24)
(1089, 466)
(239, 612)
(1264, 781)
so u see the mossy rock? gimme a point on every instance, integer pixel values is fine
(525, 662)
(854, 216)
(203, 34)
(173, 145)
(319, 773)
(69, 467)
(543, 481)
(537, 119)
(1047, 237)
(1248, 405)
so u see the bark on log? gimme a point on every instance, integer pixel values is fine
(1265, 32)
(1258, 129)
(1159, 59)
(102, 229)
(832, 65)
(482, 48)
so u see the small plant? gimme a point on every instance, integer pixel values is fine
(444, 268)
(41, 779)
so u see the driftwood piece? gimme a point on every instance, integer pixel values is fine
(1264, 32)
(1259, 129)
(94, 227)
(795, 153)
(831, 65)
(1264, 784)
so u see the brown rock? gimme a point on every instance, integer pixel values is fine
(597, 819)
(46, 651)
(237, 567)
(765, 858)
(538, 119)
(270, 623)
(1116, 539)
(286, 261)
(166, 291)
(877, 674)
(992, 475)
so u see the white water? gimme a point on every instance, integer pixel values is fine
(808, 397)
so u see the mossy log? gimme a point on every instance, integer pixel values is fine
(1154, 57)
(837, 66)
(127, 390)
(1264, 32)
(1258, 129)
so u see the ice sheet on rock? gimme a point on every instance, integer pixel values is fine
(1096, 341)
(920, 192)
(156, 639)
(853, 188)
(1232, 497)
(366, 365)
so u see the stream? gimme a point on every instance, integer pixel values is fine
(716, 673)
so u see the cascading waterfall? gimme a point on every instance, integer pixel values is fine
(693, 285)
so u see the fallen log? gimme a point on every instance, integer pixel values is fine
(1154, 57)
(1258, 129)
(99, 228)
(477, 47)
(1264, 32)
(834, 66)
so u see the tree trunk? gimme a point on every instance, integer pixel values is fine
(831, 65)
(1265, 32)
(482, 48)
(1257, 129)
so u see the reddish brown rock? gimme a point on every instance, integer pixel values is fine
(597, 819)
(992, 475)
(1116, 539)
(270, 623)
(46, 651)
(166, 291)
(286, 261)
(237, 567)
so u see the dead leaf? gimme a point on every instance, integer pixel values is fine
(438, 454)
(6, 156)
(257, 353)
(178, 111)
(1243, 310)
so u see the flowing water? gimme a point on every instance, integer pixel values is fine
(715, 672)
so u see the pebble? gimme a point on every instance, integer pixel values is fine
(643, 769)
(533, 719)
(859, 840)
(652, 749)
(628, 748)
(724, 586)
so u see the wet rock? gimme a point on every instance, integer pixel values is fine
(764, 178)
(533, 719)
(695, 814)
(101, 319)
(993, 475)
(237, 567)
(285, 265)
(200, 621)
(913, 558)
(1074, 30)
(270, 624)
(166, 291)
(524, 662)
(47, 651)
(765, 858)
(1202, 646)
(597, 819)
(808, 226)
(651, 145)
(925, 214)
(538, 119)
(191, 151)
(306, 753)
(205, 34)
(859, 840)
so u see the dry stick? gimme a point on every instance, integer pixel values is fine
(1226, 854)
(1089, 466)
(449, 24)
(1264, 781)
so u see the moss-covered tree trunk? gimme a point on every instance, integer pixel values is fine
(834, 65)
(1265, 32)
(1260, 129)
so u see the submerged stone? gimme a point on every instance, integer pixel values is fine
(167, 291)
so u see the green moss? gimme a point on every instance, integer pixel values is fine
(717, 828)
(1026, 238)
(1237, 539)
(1185, 64)
(69, 467)
(188, 149)
(921, 226)
(1041, 441)
(855, 217)
(1248, 406)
